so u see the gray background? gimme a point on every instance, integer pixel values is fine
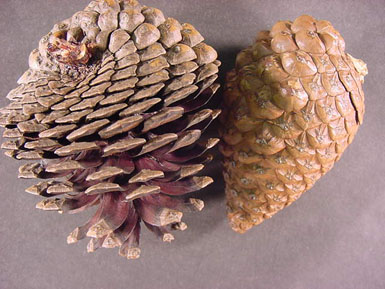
(333, 237)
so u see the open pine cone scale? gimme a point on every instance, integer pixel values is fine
(112, 112)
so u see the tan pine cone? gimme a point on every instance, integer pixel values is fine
(111, 111)
(292, 105)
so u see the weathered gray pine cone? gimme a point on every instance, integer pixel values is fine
(111, 111)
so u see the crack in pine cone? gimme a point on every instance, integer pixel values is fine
(292, 105)
(113, 107)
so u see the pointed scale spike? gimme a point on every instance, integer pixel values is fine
(197, 151)
(64, 166)
(130, 248)
(105, 173)
(121, 126)
(68, 205)
(202, 100)
(146, 175)
(184, 186)
(80, 233)
(166, 115)
(162, 232)
(185, 139)
(76, 147)
(184, 123)
(50, 188)
(113, 215)
(30, 171)
(175, 203)
(185, 171)
(120, 235)
(142, 191)
(158, 142)
(95, 244)
(103, 187)
(158, 216)
(123, 145)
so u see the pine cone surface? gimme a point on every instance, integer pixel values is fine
(292, 105)
(111, 113)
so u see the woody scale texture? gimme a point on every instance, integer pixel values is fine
(292, 105)
(110, 114)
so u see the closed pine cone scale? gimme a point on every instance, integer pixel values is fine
(110, 114)
(292, 105)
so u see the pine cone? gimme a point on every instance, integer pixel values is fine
(292, 105)
(112, 107)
